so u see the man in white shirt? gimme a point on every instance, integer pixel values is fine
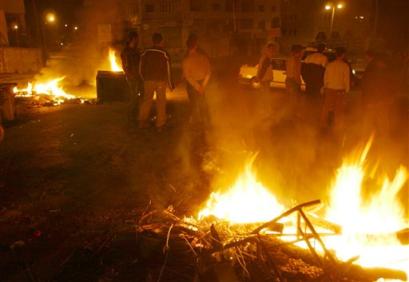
(336, 85)
(314, 71)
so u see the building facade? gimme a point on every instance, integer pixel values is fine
(12, 22)
(15, 57)
(219, 24)
(303, 20)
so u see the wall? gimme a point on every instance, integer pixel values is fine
(4, 40)
(20, 60)
(12, 6)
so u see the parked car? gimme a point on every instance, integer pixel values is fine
(248, 74)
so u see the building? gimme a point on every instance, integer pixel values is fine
(303, 20)
(220, 24)
(15, 57)
(12, 22)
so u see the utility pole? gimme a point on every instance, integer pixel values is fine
(40, 36)
(331, 29)
(235, 15)
(375, 30)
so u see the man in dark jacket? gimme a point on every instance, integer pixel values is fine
(130, 63)
(155, 70)
(313, 71)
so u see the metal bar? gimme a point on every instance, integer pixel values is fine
(317, 237)
(285, 214)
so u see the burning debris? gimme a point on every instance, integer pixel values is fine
(49, 93)
(111, 82)
(341, 241)
(251, 252)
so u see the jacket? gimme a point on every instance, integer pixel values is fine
(155, 65)
(130, 62)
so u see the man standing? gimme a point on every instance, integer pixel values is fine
(313, 75)
(197, 72)
(293, 80)
(155, 70)
(130, 63)
(336, 85)
(265, 68)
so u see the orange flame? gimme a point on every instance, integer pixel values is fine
(369, 227)
(247, 201)
(50, 88)
(115, 66)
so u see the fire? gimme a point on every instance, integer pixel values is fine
(247, 201)
(50, 88)
(369, 227)
(115, 66)
(248, 72)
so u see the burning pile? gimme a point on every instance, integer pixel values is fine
(246, 227)
(47, 93)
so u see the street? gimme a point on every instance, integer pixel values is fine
(70, 174)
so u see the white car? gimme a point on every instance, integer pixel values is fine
(249, 73)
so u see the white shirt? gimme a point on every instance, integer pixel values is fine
(337, 76)
(317, 59)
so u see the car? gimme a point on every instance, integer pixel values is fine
(248, 74)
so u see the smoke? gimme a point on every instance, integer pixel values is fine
(99, 26)
(297, 159)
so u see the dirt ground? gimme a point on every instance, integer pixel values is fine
(70, 176)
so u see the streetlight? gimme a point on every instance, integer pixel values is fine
(333, 7)
(50, 18)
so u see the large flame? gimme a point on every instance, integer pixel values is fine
(115, 66)
(247, 201)
(51, 88)
(369, 227)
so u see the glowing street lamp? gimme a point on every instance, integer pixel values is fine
(333, 7)
(50, 17)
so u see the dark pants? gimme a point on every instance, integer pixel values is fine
(313, 89)
(150, 89)
(136, 90)
(199, 111)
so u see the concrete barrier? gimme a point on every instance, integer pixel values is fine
(20, 60)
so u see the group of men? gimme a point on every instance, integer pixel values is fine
(333, 78)
(150, 72)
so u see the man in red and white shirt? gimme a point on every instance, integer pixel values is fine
(336, 85)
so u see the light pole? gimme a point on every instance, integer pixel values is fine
(333, 7)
